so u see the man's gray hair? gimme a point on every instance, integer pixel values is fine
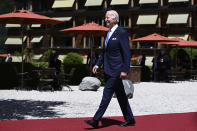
(115, 15)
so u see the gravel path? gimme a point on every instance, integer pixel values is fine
(149, 98)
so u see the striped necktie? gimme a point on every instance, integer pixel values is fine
(107, 38)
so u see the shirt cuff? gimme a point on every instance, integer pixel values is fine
(96, 66)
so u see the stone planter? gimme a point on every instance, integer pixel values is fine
(135, 74)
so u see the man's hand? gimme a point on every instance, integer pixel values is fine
(94, 69)
(123, 75)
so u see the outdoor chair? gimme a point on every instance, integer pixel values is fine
(23, 79)
(68, 77)
(176, 75)
(193, 74)
(46, 79)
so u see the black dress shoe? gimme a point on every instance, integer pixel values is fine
(128, 123)
(92, 122)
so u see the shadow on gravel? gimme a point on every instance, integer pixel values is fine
(18, 109)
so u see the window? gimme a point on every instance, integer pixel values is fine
(147, 19)
(23, 4)
(93, 3)
(177, 19)
(62, 41)
(148, 1)
(124, 21)
(13, 41)
(119, 2)
(97, 20)
(66, 24)
(97, 42)
(63, 3)
(183, 36)
(178, 1)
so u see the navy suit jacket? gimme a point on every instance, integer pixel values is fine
(116, 56)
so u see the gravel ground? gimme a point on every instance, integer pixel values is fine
(149, 98)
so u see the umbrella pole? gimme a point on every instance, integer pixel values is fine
(91, 43)
(155, 62)
(191, 61)
(22, 53)
(176, 57)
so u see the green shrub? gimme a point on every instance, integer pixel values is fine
(28, 54)
(40, 64)
(82, 70)
(73, 58)
(191, 52)
(180, 57)
(135, 63)
(47, 54)
(173, 56)
(16, 53)
(10, 79)
(8, 76)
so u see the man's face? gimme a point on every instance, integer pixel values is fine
(109, 20)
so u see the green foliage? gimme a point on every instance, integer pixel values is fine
(191, 52)
(73, 58)
(180, 57)
(47, 54)
(10, 79)
(187, 50)
(28, 52)
(173, 56)
(82, 70)
(16, 53)
(40, 64)
(135, 63)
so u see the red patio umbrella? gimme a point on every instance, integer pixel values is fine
(90, 29)
(154, 38)
(190, 43)
(3, 55)
(24, 17)
(178, 41)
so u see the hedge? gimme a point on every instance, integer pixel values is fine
(9, 78)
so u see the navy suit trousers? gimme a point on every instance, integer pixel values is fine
(114, 84)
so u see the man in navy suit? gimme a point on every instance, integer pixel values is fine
(116, 60)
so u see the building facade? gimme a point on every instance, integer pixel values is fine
(171, 18)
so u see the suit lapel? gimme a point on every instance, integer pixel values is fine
(112, 36)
